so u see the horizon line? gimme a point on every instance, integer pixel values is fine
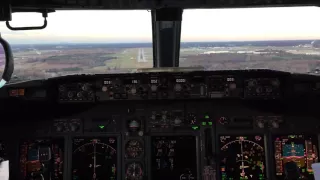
(71, 43)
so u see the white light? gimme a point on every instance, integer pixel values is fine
(2, 83)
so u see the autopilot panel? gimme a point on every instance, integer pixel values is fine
(94, 158)
(242, 157)
(42, 159)
(301, 149)
(174, 157)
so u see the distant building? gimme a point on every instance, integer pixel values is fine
(315, 44)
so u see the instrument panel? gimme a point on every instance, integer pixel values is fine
(187, 85)
(202, 150)
(184, 126)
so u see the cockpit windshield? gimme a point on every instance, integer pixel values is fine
(80, 42)
(284, 39)
(96, 42)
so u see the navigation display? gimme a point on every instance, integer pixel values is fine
(42, 159)
(94, 158)
(174, 157)
(301, 149)
(242, 157)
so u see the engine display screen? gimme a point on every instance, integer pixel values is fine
(174, 157)
(42, 159)
(301, 149)
(94, 158)
(242, 157)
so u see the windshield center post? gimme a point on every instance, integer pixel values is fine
(166, 26)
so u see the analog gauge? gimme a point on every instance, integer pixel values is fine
(134, 125)
(134, 149)
(134, 171)
(242, 157)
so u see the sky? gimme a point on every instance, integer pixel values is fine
(291, 23)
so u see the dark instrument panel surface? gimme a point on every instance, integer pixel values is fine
(149, 126)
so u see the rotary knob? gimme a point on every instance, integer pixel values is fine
(260, 124)
(252, 83)
(74, 127)
(178, 87)
(154, 88)
(104, 89)
(59, 128)
(62, 88)
(177, 121)
(275, 125)
(85, 87)
(71, 94)
(79, 94)
(275, 82)
(133, 90)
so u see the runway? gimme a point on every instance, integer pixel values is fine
(141, 56)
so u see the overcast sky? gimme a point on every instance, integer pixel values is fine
(198, 25)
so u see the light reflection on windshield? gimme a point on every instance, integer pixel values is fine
(261, 38)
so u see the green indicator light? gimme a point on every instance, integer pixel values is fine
(195, 127)
(101, 126)
(206, 117)
(210, 123)
(204, 123)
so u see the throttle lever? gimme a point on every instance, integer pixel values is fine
(209, 170)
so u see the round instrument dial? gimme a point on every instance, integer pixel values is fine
(133, 125)
(134, 171)
(134, 149)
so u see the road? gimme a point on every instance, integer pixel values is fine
(141, 56)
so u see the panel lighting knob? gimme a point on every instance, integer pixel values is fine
(275, 124)
(269, 89)
(232, 86)
(71, 94)
(74, 127)
(62, 88)
(177, 121)
(59, 128)
(79, 95)
(104, 89)
(154, 88)
(259, 90)
(252, 83)
(140, 133)
(133, 90)
(223, 120)
(178, 87)
(85, 87)
(260, 124)
(275, 82)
